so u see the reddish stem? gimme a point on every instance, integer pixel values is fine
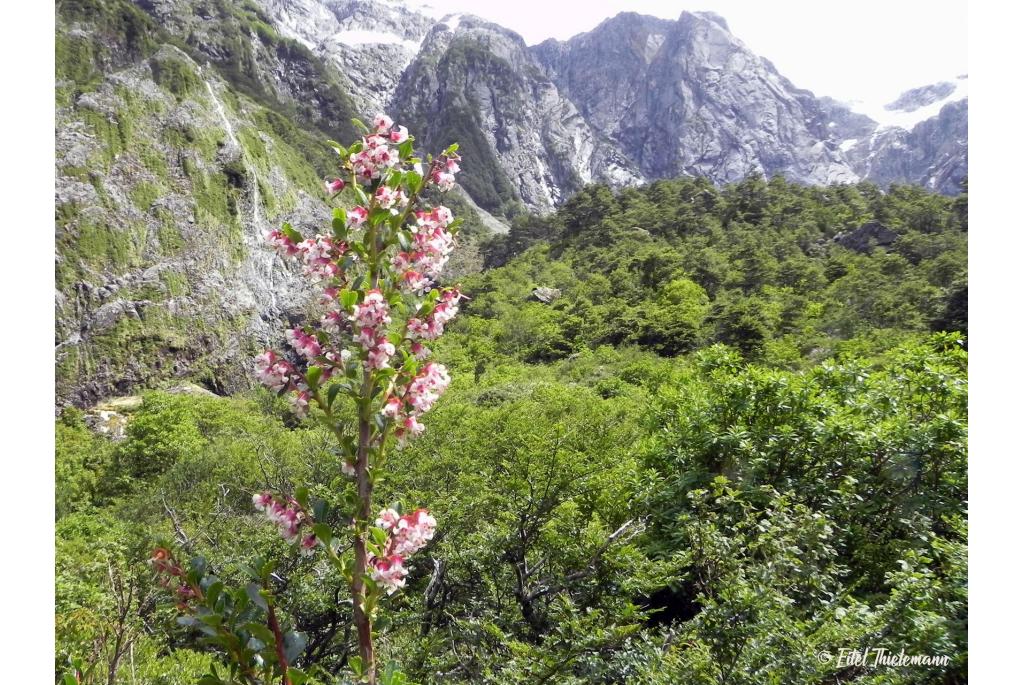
(275, 628)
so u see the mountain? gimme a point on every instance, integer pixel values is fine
(187, 128)
(635, 99)
(920, 138)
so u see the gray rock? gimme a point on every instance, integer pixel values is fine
(547, 295)
(867, 237)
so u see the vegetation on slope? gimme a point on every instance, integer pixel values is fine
(730, 445)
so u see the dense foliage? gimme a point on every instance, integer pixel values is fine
(730, 448)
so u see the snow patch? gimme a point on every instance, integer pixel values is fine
(453, 22)
(908, 120)
(848, 144)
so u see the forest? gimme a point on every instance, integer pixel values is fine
(693, 435)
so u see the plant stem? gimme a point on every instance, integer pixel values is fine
(282, 660)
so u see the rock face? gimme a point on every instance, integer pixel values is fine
(932, 154)
(921, 139)
(917, 98)
(167, 174)
(636, 99)
(867, 237)
(687, 97)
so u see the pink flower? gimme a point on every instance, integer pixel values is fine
(300, 403)
(389, 572)
(372, 312)
(382, 122)
(412, 426)
(399, 135)
(380, 356)
(442, 215)
(281, 243)
(444, 180)
(412, 532)
(414, 282)
(308, 545)
(366, 338)
(272, 371)
(419, 351)
(334, 185)
(388, 197)
(387, 519)
(262, 501)
(332, 322)
(330, 296)
(356, 216)
(392, 408)
(304, 343)
(427, 387)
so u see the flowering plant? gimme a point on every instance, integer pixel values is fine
(378, 269)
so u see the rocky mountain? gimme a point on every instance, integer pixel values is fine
(186, 128)
(920, 137)
(636, 99)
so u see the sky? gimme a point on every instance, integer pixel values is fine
(867, 51)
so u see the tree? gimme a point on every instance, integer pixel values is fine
(377, 269)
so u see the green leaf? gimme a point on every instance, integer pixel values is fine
(338, 228)
(360, 195)
(260, 631)
(360, 125)
(302, 496)
(332, 393)
(452, 149)
(296, 676)
(313, 374)
(213, 593)
(294, 645)
(255, 644)
(348, 299)
(198, 565)
(379, 535)
(323, 533)
(253, 591)
(405, 149)
(292, 234)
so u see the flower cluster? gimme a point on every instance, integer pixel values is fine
(320, 255)
(416, 399)
(431, 326)
(304, 343)
(280, 241)
(432, 245)
(370, 319)
(172, 576)
(427, 240)
(288, 518)
(444, 175)
(274, 372)
(406, 535)
(377, 156)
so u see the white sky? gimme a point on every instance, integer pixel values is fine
(862, 50)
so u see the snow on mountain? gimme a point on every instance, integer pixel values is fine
(907, 111)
